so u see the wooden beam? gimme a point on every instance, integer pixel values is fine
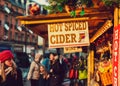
(66, 19)
(54, 21)
(88, 11)
(108, 24)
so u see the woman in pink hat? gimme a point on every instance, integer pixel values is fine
(10, 75)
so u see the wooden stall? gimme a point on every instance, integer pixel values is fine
(99, 21)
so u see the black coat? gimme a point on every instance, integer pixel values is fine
(56, 77)
(42, 81)
(13, 80)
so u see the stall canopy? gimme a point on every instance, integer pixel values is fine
(96, 17)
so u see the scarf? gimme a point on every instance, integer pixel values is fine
(8, 70)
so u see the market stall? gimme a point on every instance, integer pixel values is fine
(60, 30)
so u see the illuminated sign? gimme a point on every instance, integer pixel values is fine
(116, 54)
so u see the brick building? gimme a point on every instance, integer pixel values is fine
(12, 33)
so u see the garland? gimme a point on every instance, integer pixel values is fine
(56, 6)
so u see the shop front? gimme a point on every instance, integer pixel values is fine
(91, 35)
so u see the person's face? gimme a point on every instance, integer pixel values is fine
(9, 62)
(41, 68)
(37, 59)
(51, 57)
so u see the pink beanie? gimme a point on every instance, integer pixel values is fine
(6, 54)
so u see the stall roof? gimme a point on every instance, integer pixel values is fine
(96, 17)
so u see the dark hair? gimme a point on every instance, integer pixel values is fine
(54, 54)
(82, 58)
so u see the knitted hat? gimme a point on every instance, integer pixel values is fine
(6, 54)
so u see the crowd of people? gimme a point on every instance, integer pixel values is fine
(46, 72)
(50, 71)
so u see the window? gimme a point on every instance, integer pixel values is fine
(6, 4)
(22, 37)
(16, 9)
(10, 35)
(6, 8)
(28, 39)
(36, 39)
(16, 36)
(33, 38)
(6, 26)
(6, 32)
(6, 18)
(16, 23)
(11, 25)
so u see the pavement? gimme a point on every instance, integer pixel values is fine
(26, 83)
(65, 83)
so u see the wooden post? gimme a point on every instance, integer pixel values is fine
(90, 66)
(116, 17)
(119, 14)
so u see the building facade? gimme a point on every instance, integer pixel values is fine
(13, 35)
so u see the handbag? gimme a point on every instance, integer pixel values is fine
(82, 74)
(71, 73)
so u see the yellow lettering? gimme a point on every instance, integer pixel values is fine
(63, 38)
(52, 39)
(52, 27)
(67, 38)
(73, 38)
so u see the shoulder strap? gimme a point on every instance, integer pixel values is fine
(37, 63)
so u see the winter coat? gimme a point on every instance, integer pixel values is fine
(34, 71)
(13, 80)
(42, 81)
(56, 77)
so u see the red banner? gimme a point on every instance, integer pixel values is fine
(116, 50)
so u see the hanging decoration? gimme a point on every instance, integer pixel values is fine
(82, 12)
(111, 2)
(70, 6)
(34, 9)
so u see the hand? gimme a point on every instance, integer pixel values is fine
(48, 76)
(51, 70)
(28, 78)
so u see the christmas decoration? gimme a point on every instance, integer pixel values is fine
(56, 6)
(34, 9)
(70, 6)
(82, 12)
(73, 14)
(111, 2)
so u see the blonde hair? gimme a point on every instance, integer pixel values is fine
(2, 72)
(37, 57)
(44, 72)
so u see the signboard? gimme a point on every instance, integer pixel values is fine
(68, 34)
(72, 49)
(104, 28)
(116, 54)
